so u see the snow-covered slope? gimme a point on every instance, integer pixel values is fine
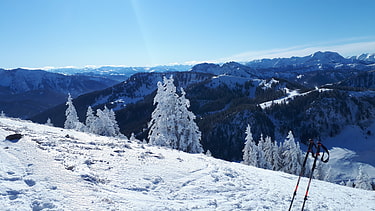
(56, 169)
(368, 57)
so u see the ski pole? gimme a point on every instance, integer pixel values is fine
(309, 149)
(311, 174)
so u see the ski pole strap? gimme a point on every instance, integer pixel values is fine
(325, 150)
(316, 153)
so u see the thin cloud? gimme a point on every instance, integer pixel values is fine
(349, 49)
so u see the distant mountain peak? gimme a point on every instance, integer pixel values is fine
(327, 54)
(368, 57)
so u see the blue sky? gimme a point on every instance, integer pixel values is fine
(57, 33)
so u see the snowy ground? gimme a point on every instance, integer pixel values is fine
(56, 169)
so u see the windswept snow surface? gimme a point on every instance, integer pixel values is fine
(57, 169)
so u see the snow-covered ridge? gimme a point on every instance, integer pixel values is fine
(369, 57)
(57, 169)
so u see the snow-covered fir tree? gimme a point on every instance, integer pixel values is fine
(90, 120)
(188, 133)
(172, 124)
(112, 120)
(268, 155)
(291, 155)
(208, 153)
(72, 121)
(262, 160)
(2, 114)
(162, 125)
(328, 175)
(250, 151)
(320, 170)
(362, 181)
(271, 153)
(132, 137)
(276, 157)
(105, 123)
(49, 122)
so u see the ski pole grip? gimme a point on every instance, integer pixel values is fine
(324, 160)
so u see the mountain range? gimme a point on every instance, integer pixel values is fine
(25, 93)
(317, 96)
(118, 73)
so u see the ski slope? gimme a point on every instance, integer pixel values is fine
(56, 169)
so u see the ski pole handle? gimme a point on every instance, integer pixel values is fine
(324, 160)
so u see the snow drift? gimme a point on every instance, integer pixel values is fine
(56, 169)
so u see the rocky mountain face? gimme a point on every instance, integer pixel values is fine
(315, 96)
(25, 93)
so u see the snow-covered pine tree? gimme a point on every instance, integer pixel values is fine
(112, 120)
(72, 121)
(188, 133)
(98, 126)
(271, 153)
(2, 114)
(208, 153)
(320, 171)
(363, 181)
(163, 125)
(172, 124)
(133, 138)
(262, 161)
(291, 155)
(105, 124)
(328, 174)
(250, 151)
(49, 122)
(276, 157)
(90, 120)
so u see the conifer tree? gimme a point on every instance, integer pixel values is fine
(362, 181)
(72, 121)
(90, 120)
(188, 132)
(271, 154)
(172, 124)
(162, 125)
(132, 137)
(262, 161)
(49, 122)
(104, 123)
(250, 151)
(276, 166)
(291, 155)
(112, 121)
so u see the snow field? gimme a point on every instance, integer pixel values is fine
(57, 169)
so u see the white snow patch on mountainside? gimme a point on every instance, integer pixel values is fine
(359, 140)
(291, 95)
(57, 169)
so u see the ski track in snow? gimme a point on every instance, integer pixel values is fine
(57, 169)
